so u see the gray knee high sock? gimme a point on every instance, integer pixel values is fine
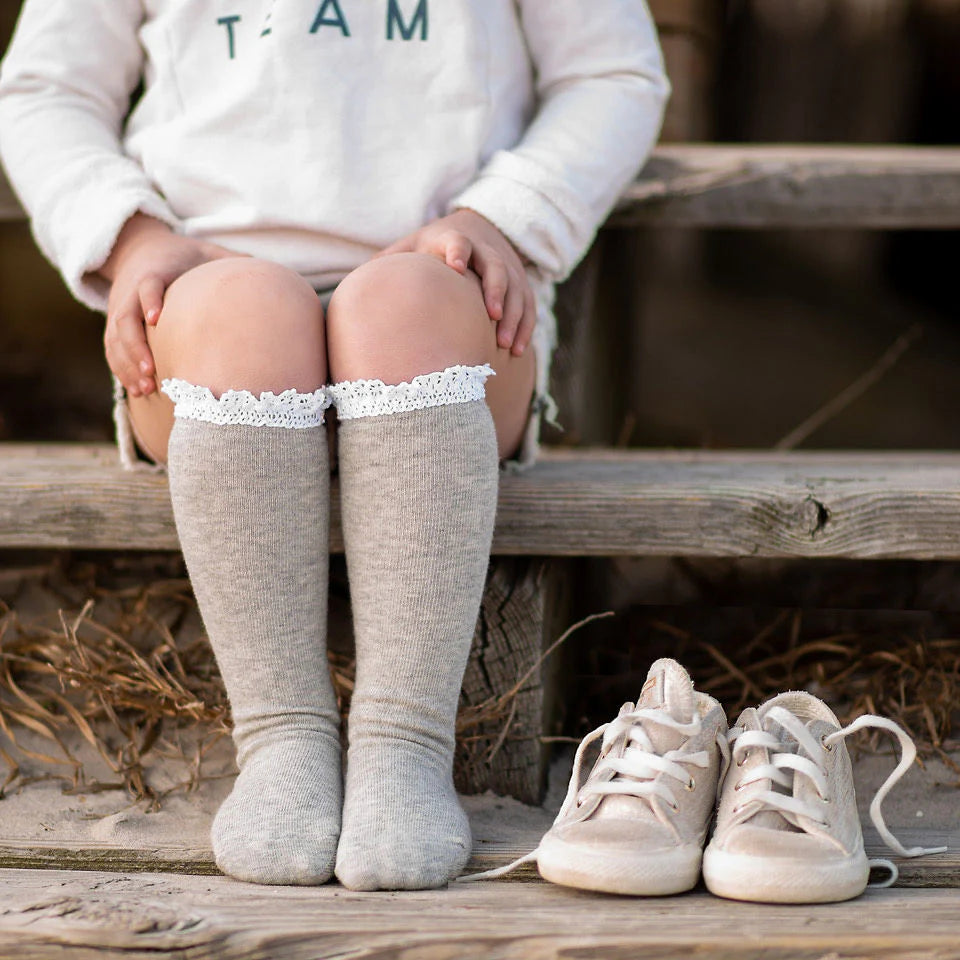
(419, 493)
(251, 507)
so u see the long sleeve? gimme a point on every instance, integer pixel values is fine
(601, 90)
(65, 88)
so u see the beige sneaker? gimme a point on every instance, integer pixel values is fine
(787, 826)
(638, 823)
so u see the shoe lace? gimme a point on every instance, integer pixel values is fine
(640, 762)
(786, 762)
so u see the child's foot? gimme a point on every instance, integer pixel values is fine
(281, 822)
(403, 826)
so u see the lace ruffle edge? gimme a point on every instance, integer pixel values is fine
(372, 398)
(290, 409)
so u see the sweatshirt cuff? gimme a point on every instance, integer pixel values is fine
(102, 215)
(551, 229)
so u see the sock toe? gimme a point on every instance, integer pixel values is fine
(436, 862)
(281, 822)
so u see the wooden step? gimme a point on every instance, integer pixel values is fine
(490, 851)
(61, 913)
(782, 185)
(572, 503)
(787, 185)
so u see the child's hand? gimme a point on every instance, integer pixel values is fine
(465, 240)
(147, 257)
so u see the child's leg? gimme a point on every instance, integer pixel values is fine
(418, 481)
(249, 482)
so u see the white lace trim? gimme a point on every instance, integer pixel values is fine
(289, 409)
(373, 398)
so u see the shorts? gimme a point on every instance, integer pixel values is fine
(542, 407)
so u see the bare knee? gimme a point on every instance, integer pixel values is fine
(403, 315)
(241, 323)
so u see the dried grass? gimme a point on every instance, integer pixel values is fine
(482, 729)
(914, 680)
(130, 670)
(125, 672)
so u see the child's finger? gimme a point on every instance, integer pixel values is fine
(527, 322)
(457, 250)
(124, 366)
(150, 293)
(494, 280)
(134, 355)
(512, 312)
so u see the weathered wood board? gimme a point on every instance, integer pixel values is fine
(572, 503)
(52, 914)
(749, 185)
(791, 185)
(495, 845)
(521, 614)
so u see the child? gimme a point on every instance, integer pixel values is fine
(431, 169)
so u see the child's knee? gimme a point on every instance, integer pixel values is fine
(405, 314)
(241, 323)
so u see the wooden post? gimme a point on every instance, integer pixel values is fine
(499, 744)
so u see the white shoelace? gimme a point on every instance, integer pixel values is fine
(786, 762)
(640, 761)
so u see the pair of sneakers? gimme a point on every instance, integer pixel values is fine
(777, 786)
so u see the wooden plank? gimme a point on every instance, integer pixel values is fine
(738, 504)
(494, 845)
(710, 185)
(52, 914)
(749, 185)
(578, 503)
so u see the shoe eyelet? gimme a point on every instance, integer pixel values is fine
(825, 799)
(675, 807)
(739, 785)
(824, 744)
(741, 761)
(690, 785)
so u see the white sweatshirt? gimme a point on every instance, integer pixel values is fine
(316, 132)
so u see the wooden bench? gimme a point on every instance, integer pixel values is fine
(573, 503)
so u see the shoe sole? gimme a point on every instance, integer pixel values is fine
(737, 876)
(626, 872)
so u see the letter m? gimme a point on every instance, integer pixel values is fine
(395, 19)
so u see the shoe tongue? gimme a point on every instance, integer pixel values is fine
(668, 688)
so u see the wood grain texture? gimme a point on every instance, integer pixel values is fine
(52, 914)
(720, 185)
(492, 848)
(508, 757)
(749, 185)
(572, 503)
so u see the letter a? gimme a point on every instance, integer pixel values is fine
(336, 20)
(395, 18)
